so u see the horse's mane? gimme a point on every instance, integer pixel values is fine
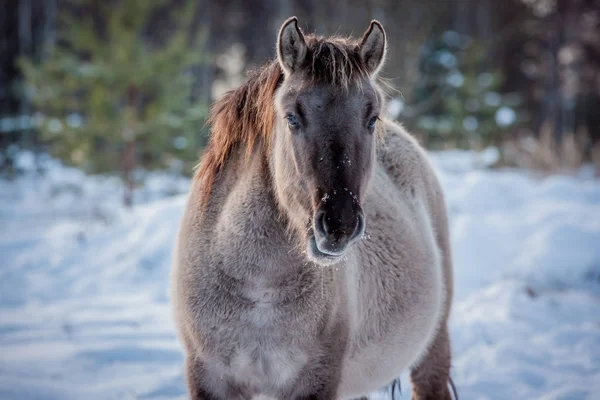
(245, 116)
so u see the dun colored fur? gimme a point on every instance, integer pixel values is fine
(313, 258)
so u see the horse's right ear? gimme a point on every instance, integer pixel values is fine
(291, 46)
(373, 47)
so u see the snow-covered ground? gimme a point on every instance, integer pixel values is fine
(84, 308)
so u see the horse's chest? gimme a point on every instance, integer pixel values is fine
(256, 352)
(264, 365)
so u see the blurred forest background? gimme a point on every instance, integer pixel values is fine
(124, 86)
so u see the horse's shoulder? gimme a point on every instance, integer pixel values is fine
(407, 164)
(403, 157)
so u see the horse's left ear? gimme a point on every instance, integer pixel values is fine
(291, 46)
(373, 47)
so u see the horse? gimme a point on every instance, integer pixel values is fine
(313, 259)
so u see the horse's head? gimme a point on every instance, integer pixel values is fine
(323, 149)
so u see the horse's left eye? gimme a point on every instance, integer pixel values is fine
(372, 122)
(292, 121)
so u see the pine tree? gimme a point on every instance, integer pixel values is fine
(115, 92)
(458, 98)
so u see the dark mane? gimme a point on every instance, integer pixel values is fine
(245, 116)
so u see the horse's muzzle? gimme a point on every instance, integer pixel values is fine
(333, 234)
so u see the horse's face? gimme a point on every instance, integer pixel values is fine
(326, 138)
(324, 146)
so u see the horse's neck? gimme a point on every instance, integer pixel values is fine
(250, 240)
(250, 227)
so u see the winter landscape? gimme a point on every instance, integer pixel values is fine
(84, 300)
(104, 108)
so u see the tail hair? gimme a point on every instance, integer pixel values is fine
(453, 387)
(396, 388)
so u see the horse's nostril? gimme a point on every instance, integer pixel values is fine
(320, 224)
(326, 227)
(360, 226)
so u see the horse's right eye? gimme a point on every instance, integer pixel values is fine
(372, 122)
(293, 121)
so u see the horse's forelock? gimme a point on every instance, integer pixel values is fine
(334, 61)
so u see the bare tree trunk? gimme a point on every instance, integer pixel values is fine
(461, 16)
(129, 164)
(570, 68)
(207, 68)
(285, 11)
(554, 86)
(49, 27)
(377, 11)
(319, 24)
(25, 49)
(129, 149)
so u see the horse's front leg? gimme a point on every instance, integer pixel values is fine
(321, 396)
(326, 392)
(325, 383)
(193, 371)
(431, 378)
